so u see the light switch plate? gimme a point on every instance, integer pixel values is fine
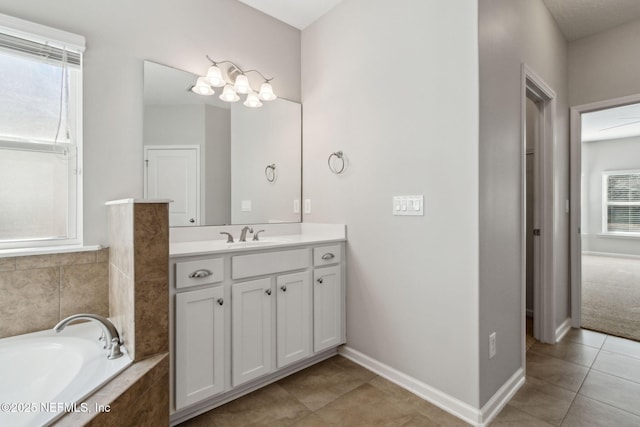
(246, 206)
(307, 206)
(296, 206)
(408, 205)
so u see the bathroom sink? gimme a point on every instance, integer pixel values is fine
(256, 243)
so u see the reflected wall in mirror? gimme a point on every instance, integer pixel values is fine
(221, 163)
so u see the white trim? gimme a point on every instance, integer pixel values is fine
(500, 399)
(562, 330)
(575, 185)
(464, 411)
(611, 255)
(534, 86)
(620, 235)
(4, 253)
(41, 33)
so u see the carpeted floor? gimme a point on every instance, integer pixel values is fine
(611, 295)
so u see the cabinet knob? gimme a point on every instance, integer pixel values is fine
(268, 291)
(220, 301)
(192, 220)
(320, 280)
(200, 273)
(284, 288)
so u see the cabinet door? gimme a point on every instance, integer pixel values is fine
(199, 345)
(251, 337)
(327, 308)
(293, 308)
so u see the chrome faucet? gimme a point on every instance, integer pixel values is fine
(243, 233)
(109, 331)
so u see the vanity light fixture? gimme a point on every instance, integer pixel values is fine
(239, 85)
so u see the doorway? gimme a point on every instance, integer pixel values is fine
(538, 117)
(605, 254)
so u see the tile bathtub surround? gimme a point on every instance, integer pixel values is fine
(139, 269)
(40, 290)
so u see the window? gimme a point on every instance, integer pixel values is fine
(621, 207)
(40, 135)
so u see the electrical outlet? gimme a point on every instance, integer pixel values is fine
(296, 206)
(492, 345)
(307, 206)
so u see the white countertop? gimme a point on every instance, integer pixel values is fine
(311, 234)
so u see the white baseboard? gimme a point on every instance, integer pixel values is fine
(450, 404)
(562, 330)
(501, 397)
(611, 255)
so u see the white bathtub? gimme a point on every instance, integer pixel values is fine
(44, 375)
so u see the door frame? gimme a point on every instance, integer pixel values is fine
(575, 238)
(536, 89)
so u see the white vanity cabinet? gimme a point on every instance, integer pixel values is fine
(199, 345)
(243, 319)
(251, 341)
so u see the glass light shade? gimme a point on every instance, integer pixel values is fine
(229, 94)
(252, 101)
(214, 75)
(266, 92)
(202, 87)
(242, 84)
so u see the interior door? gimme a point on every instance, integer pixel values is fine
(173, 173)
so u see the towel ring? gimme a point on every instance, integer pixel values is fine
(340, 156)
(270, 172)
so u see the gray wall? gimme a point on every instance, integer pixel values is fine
(605, 65)
(512, 32)
(218, 165)
(399, 96)
(598, 157)
(120, 35)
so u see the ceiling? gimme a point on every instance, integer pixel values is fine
(581, 18)
(297, 13)
(612, 123)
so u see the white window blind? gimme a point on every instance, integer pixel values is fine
(40, 135)
(622, 210)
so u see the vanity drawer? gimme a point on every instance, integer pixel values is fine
(267, 263)
(200, 272)
(325, 255)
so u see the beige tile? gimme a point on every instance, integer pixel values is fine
(151, 317)
(586, 412)
(423, 407)
(54, 260)
(84, 289)
(268, 406)
(366, 406)
(121, 237)
(7, 264)
(543, 400)
(513, 417)
(619, 365)
(102, 255)
(322, 383)
(555, 371)
(586, 337)
(617, 392)
(30, 300)
(622, 346)
(151, 241)
(569, 351)
(121, 306)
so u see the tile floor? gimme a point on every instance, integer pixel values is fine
(588, 379)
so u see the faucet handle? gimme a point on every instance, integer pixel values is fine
(229, 236)
(255, 236)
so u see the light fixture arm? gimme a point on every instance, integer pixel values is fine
(238, 69)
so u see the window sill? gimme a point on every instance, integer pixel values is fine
(47, 250)
(620, 235)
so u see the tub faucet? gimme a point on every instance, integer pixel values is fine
(243, 233)
(109, 331)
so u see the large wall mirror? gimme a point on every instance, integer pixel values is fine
(221, 163)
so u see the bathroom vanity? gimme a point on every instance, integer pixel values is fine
(245, 314)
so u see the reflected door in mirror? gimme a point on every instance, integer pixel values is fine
(172, 173)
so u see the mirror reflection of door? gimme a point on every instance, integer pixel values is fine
(172, 173)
